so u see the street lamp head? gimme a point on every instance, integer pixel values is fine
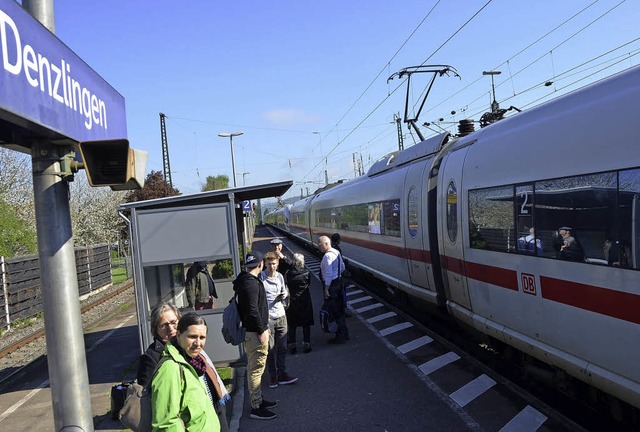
(491, 72)
(232, 134)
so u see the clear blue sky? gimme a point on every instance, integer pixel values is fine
(307, 80)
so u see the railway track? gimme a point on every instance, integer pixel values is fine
(30, 344)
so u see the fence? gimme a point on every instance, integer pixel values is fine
(21, 293)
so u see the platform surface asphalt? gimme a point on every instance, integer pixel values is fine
(359, 386)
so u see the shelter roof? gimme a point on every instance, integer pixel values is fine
(237, 194)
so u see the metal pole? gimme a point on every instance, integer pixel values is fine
(68, 377)
(5, 292)
(70, 392)
(233, 163)
(42, 10)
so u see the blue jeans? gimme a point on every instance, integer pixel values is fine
(276, 362)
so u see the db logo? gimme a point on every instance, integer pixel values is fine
(528, 283)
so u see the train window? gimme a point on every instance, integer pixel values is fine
(355, 218)
(374, 218)
(298, 218)
(528, 243)
(452, 212)
(324, 218)
(391, 218)
(491, 225)
(412, 212)
(620, 249)
(587, 205)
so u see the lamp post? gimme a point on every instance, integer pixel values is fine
(494, 104)
(233, 163)
(244, 177)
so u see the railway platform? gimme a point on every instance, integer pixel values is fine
(361, 385)
(367, 384)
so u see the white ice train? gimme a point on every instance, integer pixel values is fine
(441, 220)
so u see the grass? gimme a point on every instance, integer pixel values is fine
(26, 322)
(226, 374)
(118, 274)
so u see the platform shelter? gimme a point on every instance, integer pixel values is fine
(168, 235)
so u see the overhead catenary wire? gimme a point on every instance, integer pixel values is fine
(402, 82)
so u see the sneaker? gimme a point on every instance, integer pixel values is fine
(273, 382)
(268, 404)
(307, 348)
(292, 348)
(262, 413)
(285, 378)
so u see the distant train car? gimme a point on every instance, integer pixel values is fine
(452, 221)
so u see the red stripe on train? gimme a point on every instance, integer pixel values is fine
(617, 304)
(492, 275)
(605, 301)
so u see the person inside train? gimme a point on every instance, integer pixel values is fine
(186, 391)
(617, 253)
(300, 311)
(567, 247)
(529, 244)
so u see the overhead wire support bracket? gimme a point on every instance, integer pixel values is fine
(436, 70)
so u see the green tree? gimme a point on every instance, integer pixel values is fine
(16, 238)
(155, 186)
(94, 215)
(216, 182)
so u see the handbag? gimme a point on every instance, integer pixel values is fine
(118, 395)
(327, 319)
(136, 411)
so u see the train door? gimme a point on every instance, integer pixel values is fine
(415, 233)
(450, 228)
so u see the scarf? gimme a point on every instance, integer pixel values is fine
(208, 374)
(198, 363)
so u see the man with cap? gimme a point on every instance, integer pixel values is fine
(254, 313)
(567, 247)
(285, 262)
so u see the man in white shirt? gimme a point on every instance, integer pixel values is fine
(331, 268)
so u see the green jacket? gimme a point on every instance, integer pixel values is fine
(180, 404)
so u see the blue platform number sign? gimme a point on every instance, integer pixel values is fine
(246, 206)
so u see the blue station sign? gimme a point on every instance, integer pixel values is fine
(44, 83)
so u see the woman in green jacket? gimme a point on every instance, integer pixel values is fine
(179, 398)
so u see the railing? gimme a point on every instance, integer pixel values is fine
(21, 292)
